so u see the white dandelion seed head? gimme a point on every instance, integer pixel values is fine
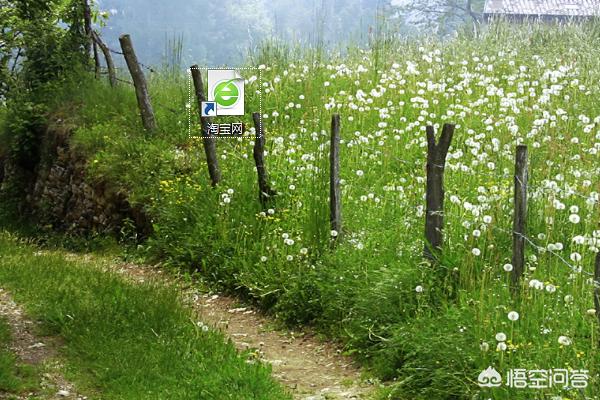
(568, 299)
(564, 340)
(536, 284)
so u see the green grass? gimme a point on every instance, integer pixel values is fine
(15, 378)
(126, 341)
(536, 85)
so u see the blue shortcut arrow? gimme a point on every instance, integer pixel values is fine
(209, 109)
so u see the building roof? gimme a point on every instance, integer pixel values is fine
(559, 8)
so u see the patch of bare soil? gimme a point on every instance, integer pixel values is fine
(36, 350)
(310, 368)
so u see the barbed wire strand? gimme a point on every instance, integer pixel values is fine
(539, 248)
(502, 175)
(151, 97)
(139, 63)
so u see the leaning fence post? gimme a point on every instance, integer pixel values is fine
(264, 190)
(112, 75)
(210, 145)
(434, 217)
(597, 286)
(139, 81)
(520, 216)
(335, 201)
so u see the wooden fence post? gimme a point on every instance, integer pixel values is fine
(112, 75)
(139, 81)
(597, 286)
(520, 216)
(335, 197)
(434, 217)
(210, 145)
(264, 189)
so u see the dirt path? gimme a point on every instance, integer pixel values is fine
(312, 369)
(36, 350)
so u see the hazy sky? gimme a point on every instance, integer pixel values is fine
(222, 32)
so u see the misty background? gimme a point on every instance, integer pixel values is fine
(183, 32)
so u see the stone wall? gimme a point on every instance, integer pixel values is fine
(61, 196)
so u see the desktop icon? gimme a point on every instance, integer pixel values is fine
(226, 90)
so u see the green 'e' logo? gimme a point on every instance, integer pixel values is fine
(226, 93)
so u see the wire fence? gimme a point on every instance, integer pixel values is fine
(504, 174)
(152, 98)
(539, 248)
(139, 63)
(593, 197)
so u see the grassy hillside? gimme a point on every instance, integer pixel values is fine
(430, 330)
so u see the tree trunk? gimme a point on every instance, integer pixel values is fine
(97, 69)
(87, 20)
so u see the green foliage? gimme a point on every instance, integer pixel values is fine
(31, 30)
(430, 357)
(42, 43)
